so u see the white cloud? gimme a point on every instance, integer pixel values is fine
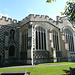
(6, 15)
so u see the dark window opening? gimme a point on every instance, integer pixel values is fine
(12, 32)
(11, 51)
(40, 38)
(25, 40)
(55, 41)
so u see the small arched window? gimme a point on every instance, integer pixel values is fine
(12, 32)
(6, 38)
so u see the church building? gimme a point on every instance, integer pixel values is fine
(36, 39)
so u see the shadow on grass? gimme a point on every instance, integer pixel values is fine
(12, 65)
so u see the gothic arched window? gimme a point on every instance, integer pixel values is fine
(25, 39)
(12, 51)
(40, 38)
(12, 32)
(69, 39)
(6, 38)
(55, 40)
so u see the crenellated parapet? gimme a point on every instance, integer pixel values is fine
(43, 18)
(9, 20)
(61, 19)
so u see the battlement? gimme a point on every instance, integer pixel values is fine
(10, 20)
(33, 17)
(60, 19)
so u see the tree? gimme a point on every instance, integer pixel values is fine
(69, 9)
(49, 1)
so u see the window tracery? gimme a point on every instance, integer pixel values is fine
(69, 39)
(40, 38)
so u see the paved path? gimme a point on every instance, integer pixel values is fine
(27, 66)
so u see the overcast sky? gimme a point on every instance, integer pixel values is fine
(19, 9)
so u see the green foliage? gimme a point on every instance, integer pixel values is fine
(70, 11)
(71, 0)
(49, 1)
(73, 60)
(55, 63)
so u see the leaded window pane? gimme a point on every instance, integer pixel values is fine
(25, 40)
(55, 41)
(40, 38)
(39, 41)
(69, 39)
(57, 44)
(36, 41)
(45, 40)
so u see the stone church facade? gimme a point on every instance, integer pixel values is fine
(36, 39)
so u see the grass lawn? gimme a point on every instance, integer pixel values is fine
(51, 70)
(55, 63)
